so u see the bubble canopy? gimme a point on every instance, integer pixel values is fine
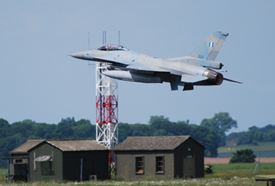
(111, 47)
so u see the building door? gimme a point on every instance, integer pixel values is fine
(189, 166)
(88, 169)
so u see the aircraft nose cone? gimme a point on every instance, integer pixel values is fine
(78, 55)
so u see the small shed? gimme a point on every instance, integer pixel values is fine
(69, 159)
(18, 163)
(159, 157)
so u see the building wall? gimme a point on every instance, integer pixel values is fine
(189, 149)
(45, 149)
(126, 164)
(94, 163)
(24, 160)
(19, 167)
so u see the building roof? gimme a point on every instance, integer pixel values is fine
(151, 143)
(25, 147)
(62, 144)
(77, 145)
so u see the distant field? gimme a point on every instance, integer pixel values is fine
(263, 149)
(243, 170)
(226, 160)
(264, 154)
(243, 167)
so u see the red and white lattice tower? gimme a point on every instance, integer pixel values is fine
(106, 108)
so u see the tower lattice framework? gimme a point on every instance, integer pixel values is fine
(106, 108)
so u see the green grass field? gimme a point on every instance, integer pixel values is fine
(243, 170)
(243, 167)
(264, 149)
(3, 172)
(224, 174)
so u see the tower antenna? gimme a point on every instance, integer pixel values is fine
(88, 40)
(119, 37)
(105, 37)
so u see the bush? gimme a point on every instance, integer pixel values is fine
(208, 169)
(243, 156)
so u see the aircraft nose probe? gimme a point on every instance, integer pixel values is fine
(79, 55)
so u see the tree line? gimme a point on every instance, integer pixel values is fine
(254, 135)
(210, 133)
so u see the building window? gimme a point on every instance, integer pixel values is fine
(140, 165)
(160, 164)
(189, 156)
(47, 168)
(18, 161)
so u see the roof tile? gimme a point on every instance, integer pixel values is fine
(62, 144)
(77, 145)
(151, 143)
(25, 147)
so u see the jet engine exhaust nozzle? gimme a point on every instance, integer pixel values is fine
(215, 78)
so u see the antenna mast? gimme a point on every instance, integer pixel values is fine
(119, 37)
(88, 40)
(106, 106)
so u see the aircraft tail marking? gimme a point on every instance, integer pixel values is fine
(211, 47)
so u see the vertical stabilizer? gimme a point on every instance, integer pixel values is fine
(211, 47)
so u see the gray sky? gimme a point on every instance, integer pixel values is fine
(40, 82)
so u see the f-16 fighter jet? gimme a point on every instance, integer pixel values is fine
(199, 68)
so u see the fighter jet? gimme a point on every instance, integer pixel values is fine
(199, 68)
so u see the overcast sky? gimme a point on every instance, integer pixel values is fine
(40, 82)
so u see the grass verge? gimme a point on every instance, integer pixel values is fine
(224, 174)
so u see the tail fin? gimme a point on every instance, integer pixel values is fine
(211, 47)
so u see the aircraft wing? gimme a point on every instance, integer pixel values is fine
(185, 78)
(146, 68)
(141, 62)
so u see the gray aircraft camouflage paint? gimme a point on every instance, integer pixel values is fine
(199, 68)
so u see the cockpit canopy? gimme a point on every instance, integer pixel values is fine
(111, 47)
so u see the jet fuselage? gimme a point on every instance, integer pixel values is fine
(196, 69)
